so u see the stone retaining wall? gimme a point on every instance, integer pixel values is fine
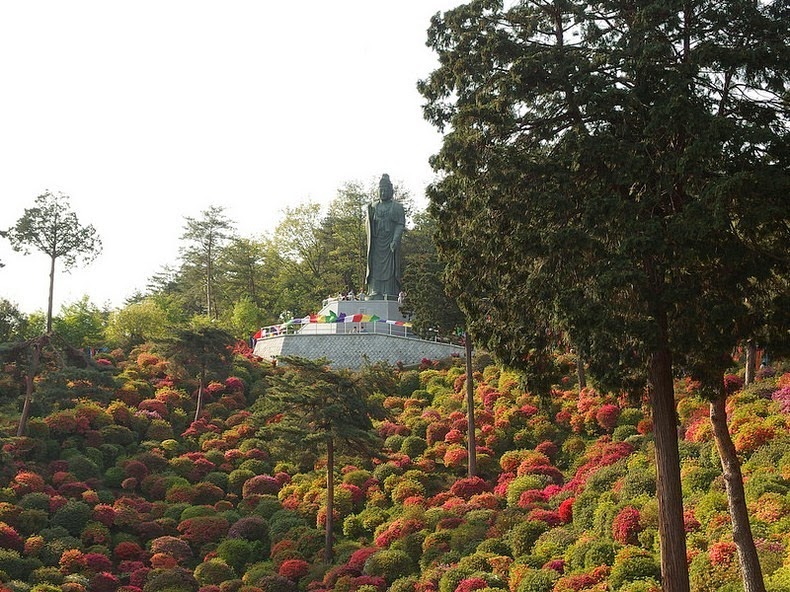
(350, 351)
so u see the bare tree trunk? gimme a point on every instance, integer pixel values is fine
(51, 294)
(580, 372)
(470, 409)
(330, 500)
(199, 402)
(751, 573)
(672, 535)
(751, 362)
(31, 373)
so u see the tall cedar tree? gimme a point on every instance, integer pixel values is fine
(52, 228)
(621, 160)
(205, 237)
(312, 406)
(204, 353)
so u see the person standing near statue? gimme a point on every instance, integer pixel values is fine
(384, 222)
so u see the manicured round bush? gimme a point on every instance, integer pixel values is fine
(633, 564)
(294, 569)
(626, 526)
(389, 564)
(174, 579)
(213, 571)
(260, 485)
(522, 537)
(413, 446)
(73, 516)
(521, 484)
(275, 583)
(173, 546)
(16, 566)
(236, 553)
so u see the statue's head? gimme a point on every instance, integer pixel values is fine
(386, 192)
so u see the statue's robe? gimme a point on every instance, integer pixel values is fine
(385, 221)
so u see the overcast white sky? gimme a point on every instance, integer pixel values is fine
(146, 112)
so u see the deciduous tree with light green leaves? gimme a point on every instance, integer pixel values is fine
(616, 174)
(52, 228)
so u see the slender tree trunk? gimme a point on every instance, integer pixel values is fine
(199, 402)
(751, 362)
(672, 535)
(51, 294)
(208, 286)
(580, 372)
(470, 409)
(751, 573)
(330, 500)
(31, 374)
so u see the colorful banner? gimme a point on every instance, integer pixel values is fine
(332, 317)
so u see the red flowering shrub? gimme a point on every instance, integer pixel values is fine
(173, 546)
(260, 485)
(690, 522)
(565, 511)
(233, 383)
(10, 539)
(72, 561)
(128, 550)
(466, 488)
(358, 558)
(607, 415)
(398, 529)
(532, 498)
(454, 436)
(471, 584)
(548, 448)
(548, 516)
(104, 582)
(582, 581)
(203, 529)
(294, 569)
(626, 526)
(26, 482)
(436, 432)
(455, 456)
(722, 553)
(155, 405)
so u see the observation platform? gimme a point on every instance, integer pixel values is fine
(351, 333)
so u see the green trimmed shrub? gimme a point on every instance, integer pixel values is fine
(409, 382)
(236, 553)
(524, 535)
(632, 564)
(16, 566)
(389, 564)
(213, 571)
(176, 579)
(413, 446)
(538, 580)
(73, 516)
